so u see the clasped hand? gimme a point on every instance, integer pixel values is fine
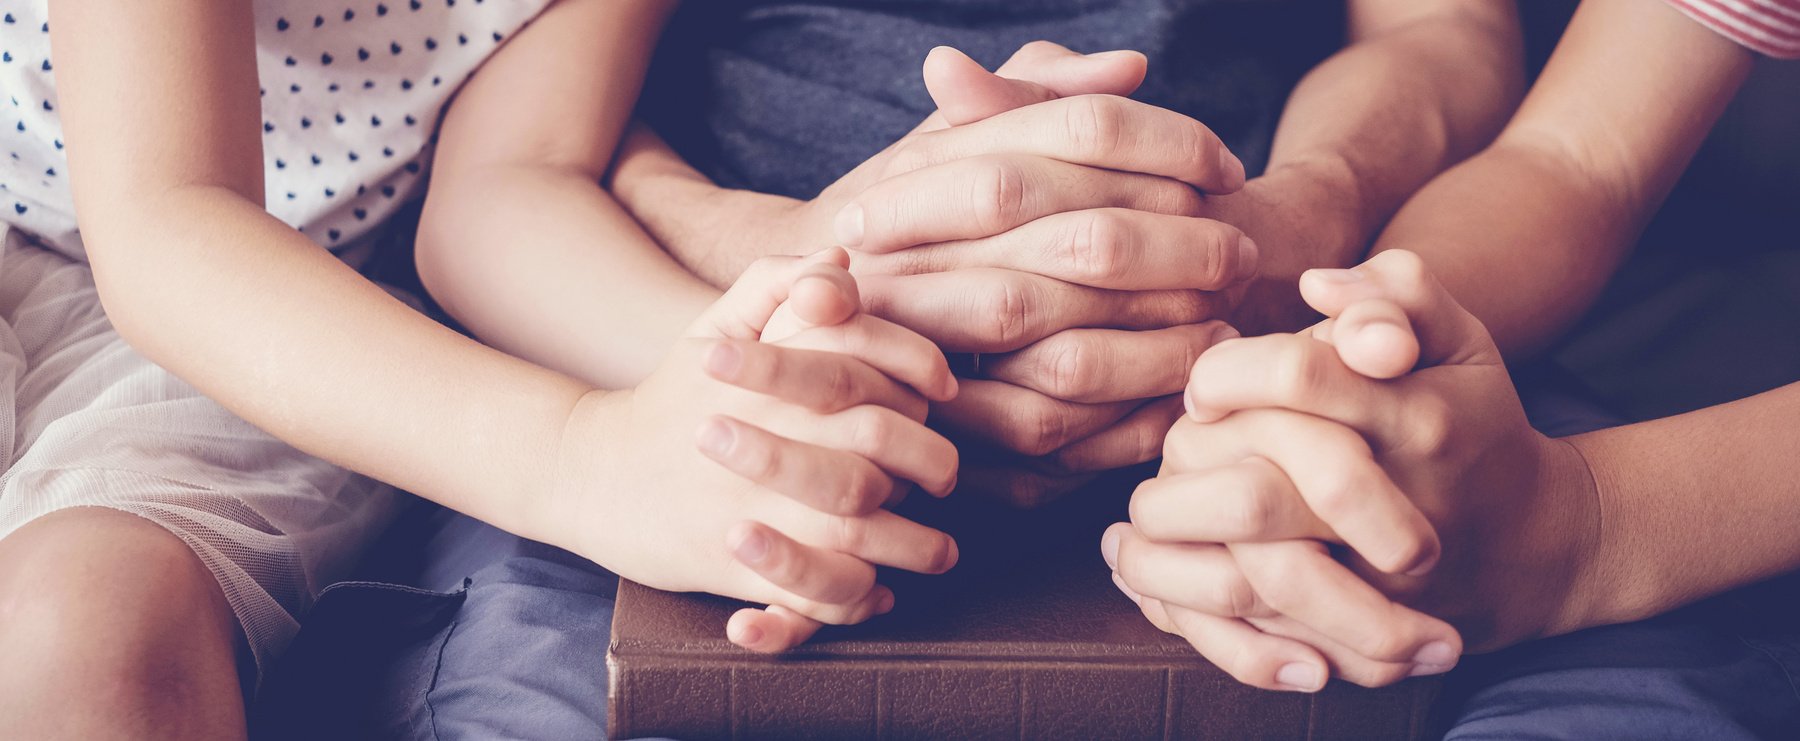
(1329, 492)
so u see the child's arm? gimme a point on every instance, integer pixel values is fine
(160, 108)
(518, 240)
(200, 278)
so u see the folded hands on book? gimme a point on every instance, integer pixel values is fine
(1328, 489)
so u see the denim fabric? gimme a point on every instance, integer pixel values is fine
(785, 97)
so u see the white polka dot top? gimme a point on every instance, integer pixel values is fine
(351, 93)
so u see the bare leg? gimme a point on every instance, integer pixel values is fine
(111, 628)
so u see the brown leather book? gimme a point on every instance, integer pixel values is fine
(1041, 646)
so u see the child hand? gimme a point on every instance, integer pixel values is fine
(757, 470)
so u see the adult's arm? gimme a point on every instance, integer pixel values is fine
(1418, 87)
(518, 240)
(1526, 232)
(196, 275)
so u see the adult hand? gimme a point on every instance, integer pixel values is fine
(1126, 271)
(1390, 425)
(1089, 290)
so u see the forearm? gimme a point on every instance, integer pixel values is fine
(206, 283)
(1407, 98)
(1522, 240)
(542, 263)
(1694, 505)
(1526, 233)
(712, 231)
(518, 240)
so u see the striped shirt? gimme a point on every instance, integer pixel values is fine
(1770, 27)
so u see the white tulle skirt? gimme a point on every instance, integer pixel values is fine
(87, 421)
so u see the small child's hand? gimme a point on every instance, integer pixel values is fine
(757, 470)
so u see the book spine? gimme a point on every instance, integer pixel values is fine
(692, 699)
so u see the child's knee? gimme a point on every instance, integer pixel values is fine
(113, 629)
(102, 583)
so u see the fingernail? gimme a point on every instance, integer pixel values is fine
(723, 361)
(716, 438)
(1225, 332)
(1248, 255)
(1119, 581)
(1231, 169)
(885, 605)
(1426, 670)
(1300, 677)
(1336, 275)
(849, 226)
(1424, 568)
(749, 635)
(1109, 547)
(1111, 55)
(1436, 653)
(951, 554)
(754, 549)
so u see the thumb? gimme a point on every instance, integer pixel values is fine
(966, 92)
(1389, 316)
(823, 288)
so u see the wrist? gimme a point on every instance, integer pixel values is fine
(584, 454)
(1579, 517)
(1320, 219)
(1302, 216)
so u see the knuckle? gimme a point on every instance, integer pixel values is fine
(1174, 198)
(1039, 47)
(1218, 249)
(1066, 367)
(914, 153)
(874, 431)
(764, 269)
(1095, 125)
(1239, 597)
(849, 534)
(1374, 675)
(1429, 426)
(1337, 501)
(1284, 570)
(1147, 441)
(1406, 270)
(1192, 347)
(999, 198)
(1048, 430)
(1298, 374)
(1200, 145)
(1008, 312)
(1174, 307)
(867, 490)
(1098, 245)
(838, 389)
(1251, 513)
(785, 569)
(758, 460)
(1405, 549)
(1385, 644)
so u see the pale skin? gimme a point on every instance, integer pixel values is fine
(1018, 126)
(1402, 391)
(754, 473)
(1419, 87)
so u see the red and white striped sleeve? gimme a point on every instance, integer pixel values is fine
(1770, 27)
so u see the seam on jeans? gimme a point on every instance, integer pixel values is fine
(1754, 645)
(437, 669)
